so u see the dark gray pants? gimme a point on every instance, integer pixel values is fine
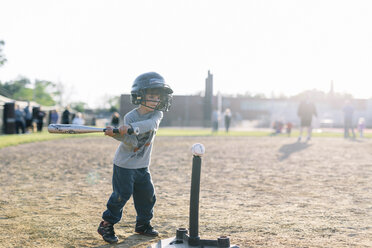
(348, 125)
(128, 182)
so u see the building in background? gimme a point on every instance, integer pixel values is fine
(196, 110)
(208, 101)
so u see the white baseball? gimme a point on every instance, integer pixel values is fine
(198, 149)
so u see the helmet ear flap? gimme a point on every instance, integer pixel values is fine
(165, 102)
(137, 98)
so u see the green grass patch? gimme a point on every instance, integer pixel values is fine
(16, 139)
(207, 132)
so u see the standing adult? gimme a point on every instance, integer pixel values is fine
(78, 119)
(361, 126)
(227, 116)
(115, 119)
(348, 119)
(66, 116)
(40, 120)
(215, 120)
(54, 117)
(306, 111)
(28, 117)
(19, 120)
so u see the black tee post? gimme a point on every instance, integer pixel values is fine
(194, 238)
(190, 238)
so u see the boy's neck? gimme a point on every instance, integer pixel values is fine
(144, 110)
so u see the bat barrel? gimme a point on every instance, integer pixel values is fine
(72, 129)
(75, 129)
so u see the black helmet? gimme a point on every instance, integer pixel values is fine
(151, 80)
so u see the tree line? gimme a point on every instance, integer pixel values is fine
(43, 92)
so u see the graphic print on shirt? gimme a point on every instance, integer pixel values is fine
(144, 141)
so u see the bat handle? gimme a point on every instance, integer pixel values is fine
(115, 130)
(130, 131)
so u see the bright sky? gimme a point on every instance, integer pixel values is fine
(258, 46)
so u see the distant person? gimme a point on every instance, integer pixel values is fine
(40, 120)
(94, 120)
(277, 126)
(72, 116)
(306, 111)
(215, 120)
(19, 120)
(115, 119)
(348, 119)
(361, 126)
(227, 116)
(78, 119)
(28, 118)
(66, 116)
(54, 117)
(288, 127)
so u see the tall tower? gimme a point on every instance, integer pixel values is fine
(208, 100)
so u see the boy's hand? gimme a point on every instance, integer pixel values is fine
(109, 131)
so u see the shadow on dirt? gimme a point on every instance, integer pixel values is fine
(287, 150)
(130, 241)
(354, 140)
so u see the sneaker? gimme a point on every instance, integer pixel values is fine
(107, 232)
(146, 229)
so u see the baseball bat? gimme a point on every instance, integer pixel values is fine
(75, 129)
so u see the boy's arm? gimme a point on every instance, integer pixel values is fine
(127, 139)
(139, 127)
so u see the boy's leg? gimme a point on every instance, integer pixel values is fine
(144, 200)
(122, 183)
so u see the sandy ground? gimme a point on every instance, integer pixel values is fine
(261, 192)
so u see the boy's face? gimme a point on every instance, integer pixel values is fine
(152, 99)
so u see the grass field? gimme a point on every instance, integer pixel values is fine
(14, 139)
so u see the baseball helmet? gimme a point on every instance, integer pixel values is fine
(147, 81)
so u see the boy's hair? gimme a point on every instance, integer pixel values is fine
(154, 82)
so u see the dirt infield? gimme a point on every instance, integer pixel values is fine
(262, 192)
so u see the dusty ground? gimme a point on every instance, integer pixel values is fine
(262, 192)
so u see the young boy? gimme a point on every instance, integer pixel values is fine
(131, 175)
